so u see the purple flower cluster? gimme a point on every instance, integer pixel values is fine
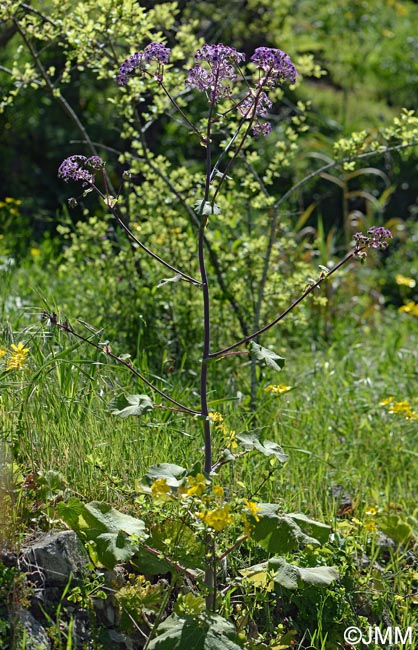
(157, 52)
(219, 74)
(215, 72)
(276, 65)
(376, 237)
(78, 168)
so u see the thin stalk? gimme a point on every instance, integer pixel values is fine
(66, 327)
(309, 290)
(206, 306)
(147, 250)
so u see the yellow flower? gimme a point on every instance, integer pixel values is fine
(231, 443)
(252, 508)
(197, 485)
(218, 491)
(372, 511)
(35, 252)
(19, 348)
(400, 407)
(409, 308)
(277, 389)
(215, 417)
(386, 401)
(404, 281)
(160, 487)
(370, 526)
(18, 358)
(218, 519)
(3, 351)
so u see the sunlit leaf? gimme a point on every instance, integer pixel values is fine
(204, 632)
(271, 359)
(267, 447)
(138, 404)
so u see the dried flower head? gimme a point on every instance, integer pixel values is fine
(275, 65)
(157, 52)
(219, 74)
(78, 168)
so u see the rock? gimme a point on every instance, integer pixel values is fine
(26, 626)
(120, 641)
(51, 560)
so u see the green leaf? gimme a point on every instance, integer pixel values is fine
(267, 447)
(294, 577)
(175, 278)
(106, 528)
(173, 474)
(395, 527)
(138, 404)
(271, 359)
(204, 632)
(278, 533)
(311, 527)
(206, 208)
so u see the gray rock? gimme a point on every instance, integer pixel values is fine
(28, 628)
(53, 558)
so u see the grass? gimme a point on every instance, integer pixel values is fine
(352, 463)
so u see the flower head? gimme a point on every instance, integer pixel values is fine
(276, 65)
(219, 74)
(376, 237)
(78, 168)
(160, 488)
(157, 52)
(218, 519)
(18, 358)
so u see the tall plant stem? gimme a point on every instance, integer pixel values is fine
(206, 310)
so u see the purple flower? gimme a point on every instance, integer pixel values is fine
(157, 52)
(256, 105)
(261, 129)
(74, 168)
(376, 237)
(219, 74)
(153, 52)
(276, 64)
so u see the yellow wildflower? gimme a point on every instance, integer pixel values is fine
(410, 308)
(218, 519)
(197, 485)
(386, 401)
(160, 487)
(403, 281)
(231, 443)
(372, 511)
(216, 417)
(218, 491)
(403, 407)
(252, 508)
(370, 526)
(18, 358)
(35, 252)
(3, 351)
(277, 389)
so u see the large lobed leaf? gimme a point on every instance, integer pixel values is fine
(108, 529)
(282, 533)
(204, 632)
